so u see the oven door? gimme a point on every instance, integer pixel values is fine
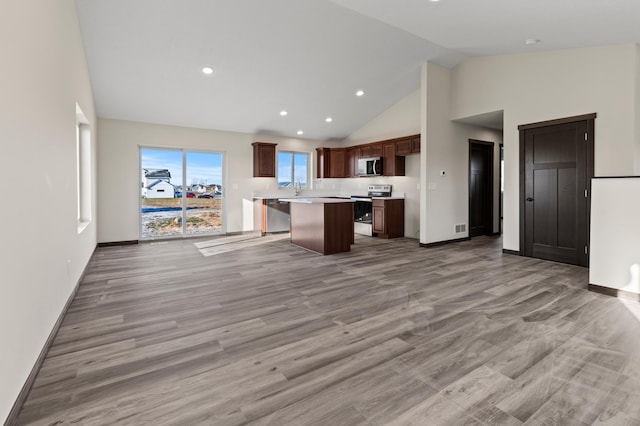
(363, 216)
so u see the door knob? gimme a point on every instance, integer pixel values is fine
(529, 199)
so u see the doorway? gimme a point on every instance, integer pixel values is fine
(480, 188)
(556, 167)
(181, 193)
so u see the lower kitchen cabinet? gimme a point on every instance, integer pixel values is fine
(388, 218)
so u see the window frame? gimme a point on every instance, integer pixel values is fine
(184, 167)
(292, 153)
(83, 170)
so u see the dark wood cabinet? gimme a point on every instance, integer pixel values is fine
(324, 226)
(343, 162)
(337, 162)
(264, 159)
(331, 162)
(388, 218)
(378, 219)
(392, 164)
(322, 162)
(353, 155)
(403, 147)
(371, 150)
(408, 145)
(415, 145)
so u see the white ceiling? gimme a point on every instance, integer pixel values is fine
(310, 56)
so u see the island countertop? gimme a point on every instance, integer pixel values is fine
(318, 200)
(323, 225)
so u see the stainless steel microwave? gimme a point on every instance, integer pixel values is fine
(370, 166)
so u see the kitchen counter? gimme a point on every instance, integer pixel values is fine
(317, 200)
(323, 225)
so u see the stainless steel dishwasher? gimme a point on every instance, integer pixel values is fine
(271, 215)
(278, 218)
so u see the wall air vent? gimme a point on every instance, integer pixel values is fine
(460, 228)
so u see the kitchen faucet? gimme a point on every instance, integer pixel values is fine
(297, 188)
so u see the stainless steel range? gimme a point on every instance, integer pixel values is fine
(363, 208)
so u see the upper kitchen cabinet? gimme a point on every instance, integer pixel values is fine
(353, 155)
(264, 159)
(343, 162)
(338, 162)
(371, 150)
(415, 144)
(392, 164)
(408, 145)
(331, 162)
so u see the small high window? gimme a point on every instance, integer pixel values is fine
(83, 169)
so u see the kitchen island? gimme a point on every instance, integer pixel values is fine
(323, 225)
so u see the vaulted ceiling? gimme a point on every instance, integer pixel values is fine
(309, 57)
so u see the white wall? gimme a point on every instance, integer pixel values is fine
(401, 119)
(543, 86)
(447, 149)
(42, 256)
(637, 121)
(119, 173)
(615, 257)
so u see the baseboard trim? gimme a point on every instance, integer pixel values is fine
(514, 252)
(620, 294)
(441, 243)
(134, 242)
(118, 243)
(234, 233)
(26, 388)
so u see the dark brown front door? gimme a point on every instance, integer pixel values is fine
(480, 188)
(557, 163)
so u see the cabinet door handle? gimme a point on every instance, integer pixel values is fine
(529, 199)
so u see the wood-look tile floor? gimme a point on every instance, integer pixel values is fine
(390, 333)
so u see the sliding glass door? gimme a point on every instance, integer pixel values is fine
(160, 201)
(204, 179)
(181, 193)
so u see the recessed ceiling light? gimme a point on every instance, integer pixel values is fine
(283, 113)
(207, 70)
(531, 41)
(300, 132)
(328, 119)
(360, 93)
